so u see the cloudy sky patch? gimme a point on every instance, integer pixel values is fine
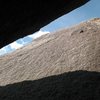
(38, 34)
(16, 45)
(21, 42)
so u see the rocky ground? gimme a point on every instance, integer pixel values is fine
(57, 66)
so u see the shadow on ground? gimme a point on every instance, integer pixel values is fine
(77, 85)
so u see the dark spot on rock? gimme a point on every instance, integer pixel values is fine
(81, 31)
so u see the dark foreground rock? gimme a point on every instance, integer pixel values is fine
(77, 85)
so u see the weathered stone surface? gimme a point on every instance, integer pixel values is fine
(19, 18)
(64, 52)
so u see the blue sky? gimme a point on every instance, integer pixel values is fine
(88, 11)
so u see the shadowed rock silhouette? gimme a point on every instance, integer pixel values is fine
(77, 85)
(19, 18)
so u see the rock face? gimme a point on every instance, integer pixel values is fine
(60, 66)
(19, 18)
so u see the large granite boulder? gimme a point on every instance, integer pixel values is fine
(57, 66)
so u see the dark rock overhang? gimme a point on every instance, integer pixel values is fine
(19, 18)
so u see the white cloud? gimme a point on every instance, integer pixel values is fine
(38, 34)
(3, 51)
(15, 45)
